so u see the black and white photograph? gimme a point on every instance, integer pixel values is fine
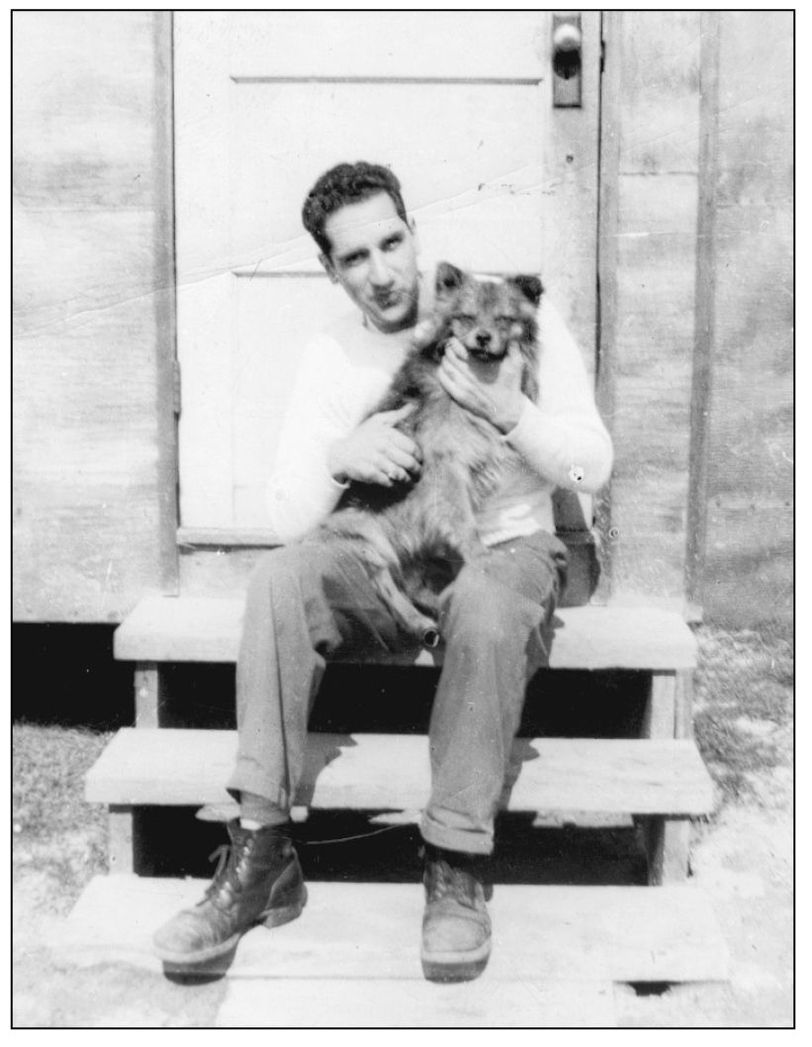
(402, 518)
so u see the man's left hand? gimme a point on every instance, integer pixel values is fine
(491, 391)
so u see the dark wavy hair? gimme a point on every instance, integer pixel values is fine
(347, 184)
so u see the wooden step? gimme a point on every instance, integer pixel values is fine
(390, 1003)
(371, 931)
(206, 629)
(391, 772)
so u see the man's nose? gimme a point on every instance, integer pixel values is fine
(379, 273)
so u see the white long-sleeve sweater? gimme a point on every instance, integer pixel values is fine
(344, 374)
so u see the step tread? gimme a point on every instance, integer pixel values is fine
(371, 930)
(391, 772)
(207, 629)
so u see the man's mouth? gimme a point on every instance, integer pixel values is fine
(388, 301)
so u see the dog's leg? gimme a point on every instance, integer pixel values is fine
(367, 539)
(415, 624)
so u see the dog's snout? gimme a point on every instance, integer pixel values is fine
(483, 339)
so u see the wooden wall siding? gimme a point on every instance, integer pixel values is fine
(649, 230)
(748, 557)
(92, 313)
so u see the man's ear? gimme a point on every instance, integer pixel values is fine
(530, 286)
(329, 268)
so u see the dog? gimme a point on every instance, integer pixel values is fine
(404, 532)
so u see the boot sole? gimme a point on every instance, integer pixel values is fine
(273, 918)
(455, 966)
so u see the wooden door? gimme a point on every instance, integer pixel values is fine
(460, 106)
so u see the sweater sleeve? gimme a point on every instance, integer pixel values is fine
(300, 491)
(562, 437)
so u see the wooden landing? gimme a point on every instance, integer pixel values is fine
(372, 931)
(206, 629)
(391, 772)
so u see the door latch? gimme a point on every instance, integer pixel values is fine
(567, 39)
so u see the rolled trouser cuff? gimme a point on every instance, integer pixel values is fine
(449, 837)
(243, 781)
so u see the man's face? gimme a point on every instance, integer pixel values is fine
(374, 258)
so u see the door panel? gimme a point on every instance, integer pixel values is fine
(459, 106)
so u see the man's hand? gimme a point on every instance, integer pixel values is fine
(493, 393)
(376, 452)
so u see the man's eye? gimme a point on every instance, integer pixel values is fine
(393, 242)
(353, 259)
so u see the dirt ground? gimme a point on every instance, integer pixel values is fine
(742, 857)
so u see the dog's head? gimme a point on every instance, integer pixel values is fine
(487, 313)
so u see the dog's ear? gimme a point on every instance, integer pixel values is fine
(530, 286)
(448, 278)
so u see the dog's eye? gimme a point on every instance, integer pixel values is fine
(505, 321)
(465, 322)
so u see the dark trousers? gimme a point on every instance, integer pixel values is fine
(309, 602)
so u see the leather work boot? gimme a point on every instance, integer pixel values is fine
(456, 925)
(258, 880)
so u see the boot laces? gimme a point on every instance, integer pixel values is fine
(445, 879)
(228, 857)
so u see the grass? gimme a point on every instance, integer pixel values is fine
(743, 706)
(56, 833)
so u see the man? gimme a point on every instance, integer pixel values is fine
(307, 602)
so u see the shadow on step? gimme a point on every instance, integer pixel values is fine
(356, 846)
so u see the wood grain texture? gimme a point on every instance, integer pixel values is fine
(206, 629)
(587, 934)
(91, 498)
(120, 839)
(748, 573)
(668, 849)
(649, 208)
(168, 766)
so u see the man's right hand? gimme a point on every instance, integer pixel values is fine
(376, 452)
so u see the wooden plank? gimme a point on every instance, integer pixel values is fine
(208, 630)
(660, 91)
(89, 292)
(749, 552)
(149, 694)
(648, 225)
(607, 266)
(660, 713)
(668, 847)
(374, 771)
(705, 302)
(684, 713)
(652, 378)
(393, 1003)
(582, 934)
(165, 295)
(120, 839)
